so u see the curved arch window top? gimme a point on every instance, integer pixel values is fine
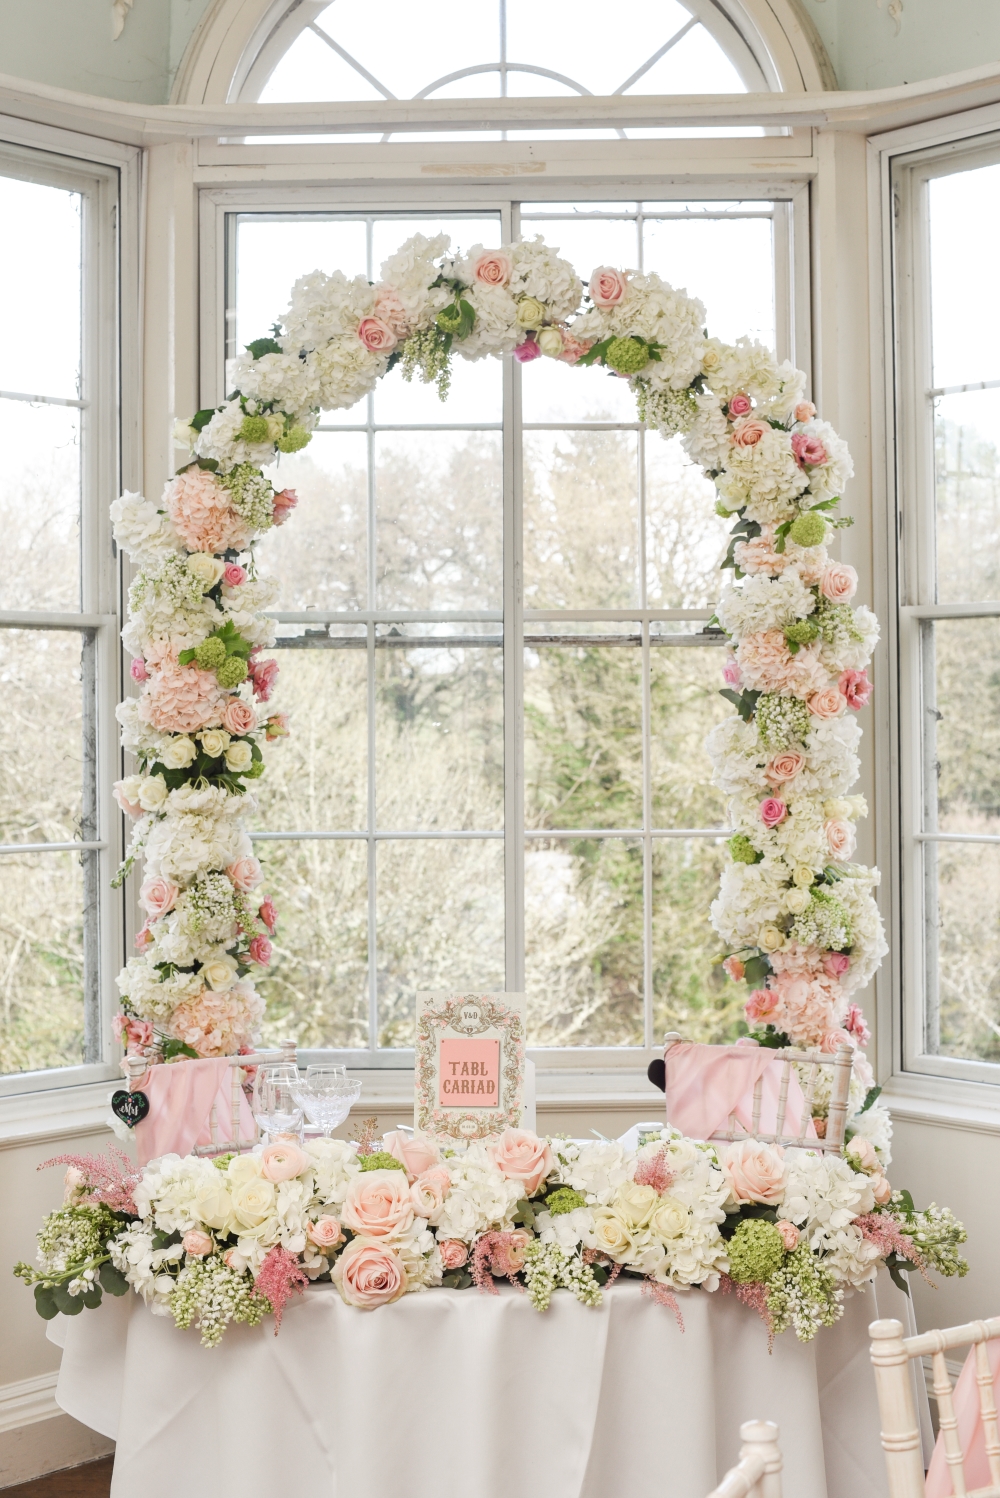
(350, 50)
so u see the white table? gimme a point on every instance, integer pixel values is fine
(452, 1393)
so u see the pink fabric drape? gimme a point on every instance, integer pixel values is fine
(970, 1430)
(706, 1083)
(181, 1095)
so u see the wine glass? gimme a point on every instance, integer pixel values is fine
(327, 1095)
(275, 1105)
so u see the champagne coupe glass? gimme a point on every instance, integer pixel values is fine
(275, 1106)
(327, 1095)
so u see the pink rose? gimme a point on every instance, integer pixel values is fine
(136, 1033)
(143, 938)
(809, 451)
(834, 1040)
(839, 582)
(276, 727)
(378, 1204)
(835, 964)
(268, 914)
(881, 1190)
(260, 950)
(130, 808)
(157, 896)
(855, 688)
(428, 1191)
(773, 811)
(854, 1024)
(804, 411)
(740, 405)
(783, 767)
(519, 1240)
(369, 1275)
(417, 1152)
(789, 1234)
(246, 874)
(748, 432)
(755, 1172)
(735, 968)
(573, 349)
(234, 575)
(282, 1162)
(526, 351)
(325, 1232)
(376, 335)
(760, 1004)
(137, 670)
(826, 704)
(840, 839)
(521, 1156)
(284, 503)
(607, 286)
(453, 1253)
(238, 717)
(263, 675)
(731, 673)
(197, 1244)
(493, 268)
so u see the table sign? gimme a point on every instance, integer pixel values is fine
(469, 1074)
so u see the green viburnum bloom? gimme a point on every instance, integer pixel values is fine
(808, 529)
(755, 1251)
(210, 654)
(380, 1160)
(802, 632)
(231, 672)
(294, 439)
(254, 429)
(449, 319)
(564, 1200)
(627, 355)
(742, 850)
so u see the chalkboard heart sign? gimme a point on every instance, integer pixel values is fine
(130, 1107)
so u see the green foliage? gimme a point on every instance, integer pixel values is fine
(261, 346)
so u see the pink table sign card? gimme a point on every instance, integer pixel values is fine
(469, 1074)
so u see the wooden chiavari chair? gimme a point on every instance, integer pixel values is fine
(757, 1474)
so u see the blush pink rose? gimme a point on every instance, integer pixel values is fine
(881, 1190)
(773, 811)
(197, 1244)
(157, 896)
(378, 1204)
(735, 968)
(754, 1172)
(418, 1152)
(235, 575)
(840, 838)
(731, 673)
(826, 704)
(325, 1232)
(390, 309)
(137, 670)
(238, 717)
(284, 503)
(526, 351)
(759, 1005)
(835, 964)
(809, 451)
(839, 582)
(130, 808)
(833, 1040)
(268, 914)
(855, 688)
(789, 1234)
(521, 1156)
(246, 874)
(453, 1253)
(493, 268)
(747, 433)
(282, 1162)
(369, 1274)
(804, 411)
(260, 950)
(740, 405)
(276, 727)
(143, 938)
(863, 1153)
(263, 675)
(783, 767)
(855, 1024)
(607, 286)
(428, 1191)
(376, 335)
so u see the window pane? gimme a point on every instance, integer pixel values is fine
(583, 942)
(962, 724)
(40, 289)
(684, 705)
(316, 988)
(701, 256)
(963, 956)
(42, 736)
(587, 243)
(551, 391)
(582, 736)
(964, 210)
(439, 520)
(967, 496)
(440, 925)
(42, 961)
(475, 396)
(273, 251)
(320, 557)
(40, 506)
(690, 993)
(439, 738)
(317, 778)
(581, 514)
(685, 539)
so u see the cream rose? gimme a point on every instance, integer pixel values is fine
(417, 1152)
(530, 312)
(253, 1202)
(239, 756)
(634, 1204)
(378, 1204)
(428, 1191)
(219, 973)
(178, 752)
(369, 1274)
(206, 568)
(213, 1203)
(770, 939)
(611, 1235)
(754, 1172)
(152, 792)
(796, 901)
(521, 1156)
(550, 341)
(670, 1219)
(215, 742)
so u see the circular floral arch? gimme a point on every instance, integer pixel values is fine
(797, 917)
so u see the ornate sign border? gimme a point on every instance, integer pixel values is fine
(502, 1017)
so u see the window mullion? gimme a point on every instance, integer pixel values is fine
(513, 667)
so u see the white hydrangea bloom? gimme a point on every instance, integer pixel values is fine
(760, 603)
(707, 441)
(829, 480)
(763, 480)
(141, 529)
(823, 1194)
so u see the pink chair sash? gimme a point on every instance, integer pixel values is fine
(707, 1083)
(970, 1430)
(181, 1096)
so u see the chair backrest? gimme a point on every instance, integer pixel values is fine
(136, 1063)
(757, 1474)
(787, 1058)
(891, 1355)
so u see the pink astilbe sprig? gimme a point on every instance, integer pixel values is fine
(888, 1237)
(654, 1171)
(365, 1136)
(754, 1295)
(279, 1279)
(500, 1254)
(108, 1180)
(664, 1296)
(594, 1256)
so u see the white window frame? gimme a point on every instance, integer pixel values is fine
(793, 322)
(107, 173)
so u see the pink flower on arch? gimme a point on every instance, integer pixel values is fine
(740, 405)
(855, 688)
(260, 950)
(809, 451)
(263, 675)
(137, 670)
(773, 811)
(526, 351)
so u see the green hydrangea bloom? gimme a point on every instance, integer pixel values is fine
(232, 671)
(380, 1160)
(627, 355)
(210, 654)
(755, 1251)
(564, 1200)
(742, 850)
(254, 429)
(294, 439)
(808, 529)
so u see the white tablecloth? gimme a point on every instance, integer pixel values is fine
(452, 1393)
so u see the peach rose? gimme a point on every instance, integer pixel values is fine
(428, 1191)
(607, 286)
(378, 1204)
(783, 767)
(376, 335)
(281, 1162)
(749, 431)
(881, 1190)
(826, 704)
(157, 896)
(453, 1253)
(246, 874)
(369, 1275)
(418, 1152)
(839, 582)
(759, 1005)
(735, 968)
(789, 1234)
(197, 1244)
(325, 1232)
(519, 1240)
(521, 1156)
(238, 716)
(493, 268)
(755, 1172)
(804, 411)
(840, 839)
(864, 1154)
